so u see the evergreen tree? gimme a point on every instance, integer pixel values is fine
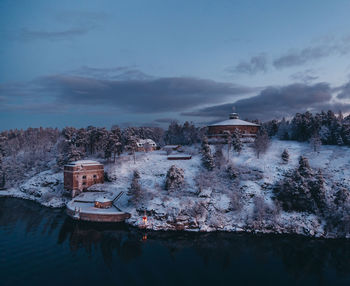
(236, 141)
(219, 156)
(135, 190)
(285, 156)
(304, 167)
(174, 178)
(207, 158)
(301, 189)
(283, 130)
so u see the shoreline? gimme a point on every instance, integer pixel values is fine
(235, 229)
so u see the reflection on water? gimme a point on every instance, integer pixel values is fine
(39, 245)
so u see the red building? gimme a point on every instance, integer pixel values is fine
(247, 129)
(80, 175)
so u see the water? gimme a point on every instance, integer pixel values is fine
(40, 245)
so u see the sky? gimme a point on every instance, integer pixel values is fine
(146, 63)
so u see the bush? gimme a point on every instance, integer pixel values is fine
(174, 178)
(302, 189)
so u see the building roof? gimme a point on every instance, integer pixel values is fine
(234, 122)
(102, 200)
(142, 142)
(84, 163)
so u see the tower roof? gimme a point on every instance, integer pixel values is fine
(234, 122)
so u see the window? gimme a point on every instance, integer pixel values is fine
(95, 176)
(84, 183)
(84, 177)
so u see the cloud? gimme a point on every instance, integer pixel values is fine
(277, 102)
(254, 65)
(323, 48)
(344, 91)
(300, 57)
(310, 54)
(113, 73)
(79, 24)
(306, 76)
(31, 35)
(154, 95)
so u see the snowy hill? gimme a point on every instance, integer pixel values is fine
(211, 201)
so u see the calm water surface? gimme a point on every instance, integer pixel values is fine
(40, 245)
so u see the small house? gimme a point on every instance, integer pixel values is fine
(146, 145)
(80, 175)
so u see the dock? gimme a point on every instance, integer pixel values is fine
(96, 207)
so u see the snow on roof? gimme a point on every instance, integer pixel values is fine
(180, 156)
(102, 200)
(234, 122)
(146, 141)
(83, 162)
(170, 146)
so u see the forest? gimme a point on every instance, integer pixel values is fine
(24, 153)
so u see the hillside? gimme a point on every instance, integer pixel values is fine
(211, 201)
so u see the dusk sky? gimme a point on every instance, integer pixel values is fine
(79, 63)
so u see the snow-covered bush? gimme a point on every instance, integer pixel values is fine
(302, 189)
(174, 178)
(207, 157)
(231, 172)
(263, 211)
(285, 156)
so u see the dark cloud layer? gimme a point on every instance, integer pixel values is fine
(156, 95)
(148, 96)
(276, 102)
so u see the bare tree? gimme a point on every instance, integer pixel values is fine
(131, 146)
(228, 139)
(315, 141)
(261, 143)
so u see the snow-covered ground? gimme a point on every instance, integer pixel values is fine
(213, 207)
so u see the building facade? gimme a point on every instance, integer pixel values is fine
(247, 129)
(80, 175)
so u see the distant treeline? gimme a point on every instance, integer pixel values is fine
(331, 128)
(24, 153)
